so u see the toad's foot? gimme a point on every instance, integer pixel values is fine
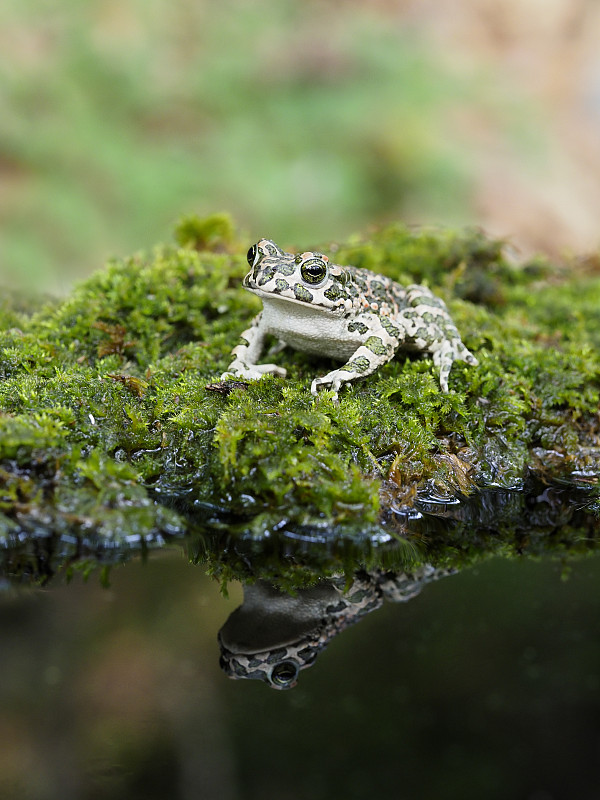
(253, 372)
(364, 361)
(333, 380)
(446, 354)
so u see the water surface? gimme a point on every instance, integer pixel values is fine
(486, 684)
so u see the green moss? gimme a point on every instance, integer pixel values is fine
(113, 420)
(210, 233)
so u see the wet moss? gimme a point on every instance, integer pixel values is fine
(114, 422)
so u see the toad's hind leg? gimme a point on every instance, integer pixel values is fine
(430, 328)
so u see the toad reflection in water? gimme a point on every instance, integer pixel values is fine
(273, 635)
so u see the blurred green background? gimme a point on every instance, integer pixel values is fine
(307, 120)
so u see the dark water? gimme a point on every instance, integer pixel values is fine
(485, 685)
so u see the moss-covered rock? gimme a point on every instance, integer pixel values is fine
(114, 424)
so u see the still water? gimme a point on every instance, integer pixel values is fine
(486, 684)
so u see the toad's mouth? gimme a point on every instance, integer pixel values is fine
(274, 298)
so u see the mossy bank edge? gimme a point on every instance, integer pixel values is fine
(113, 423)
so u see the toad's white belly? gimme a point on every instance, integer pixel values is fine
(311, 329)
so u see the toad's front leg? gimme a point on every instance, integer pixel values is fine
(381, 341)
(247, 353)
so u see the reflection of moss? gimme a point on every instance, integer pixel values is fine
(538, 521)
(104, 408)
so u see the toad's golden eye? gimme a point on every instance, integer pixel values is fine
(314, 271)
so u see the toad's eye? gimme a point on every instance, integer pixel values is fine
(313, 271)
(284, 674)
(253, 255)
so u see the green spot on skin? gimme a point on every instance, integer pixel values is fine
(266, 275)
(334, 292)
(281, 285)
(375, 345)
(302, 293)
(387, 326)
(286, 268)
(357, 326)
(358, 365)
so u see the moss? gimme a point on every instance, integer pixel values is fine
(114, 424)
(211, 233)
